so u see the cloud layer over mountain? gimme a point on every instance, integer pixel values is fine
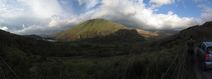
(50, 16)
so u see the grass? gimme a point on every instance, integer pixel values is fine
(34, 60)
(151, 63)
(147, 65)
(89, 29)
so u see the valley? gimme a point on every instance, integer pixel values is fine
(122, 54)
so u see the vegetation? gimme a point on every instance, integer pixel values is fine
(97, 58)
(90, 29)
(148, 65)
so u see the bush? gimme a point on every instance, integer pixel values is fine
(136, 70)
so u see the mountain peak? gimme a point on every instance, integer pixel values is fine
(89, 29)
(97, 19)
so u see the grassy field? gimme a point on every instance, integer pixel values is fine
(84, 60)
(146, 65)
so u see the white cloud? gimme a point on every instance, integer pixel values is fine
(37, 29)
(35, 14)
(158, 3)
(57, 21)
(89, 3)
(206, 13)
(7, 10)
(136, 14)
(47, 16)
(43, 8)
(4, 28)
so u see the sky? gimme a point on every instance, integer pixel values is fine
(52, 16)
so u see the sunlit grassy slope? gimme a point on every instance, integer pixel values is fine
(89, 29)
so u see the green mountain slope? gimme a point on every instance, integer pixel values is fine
(89, 29)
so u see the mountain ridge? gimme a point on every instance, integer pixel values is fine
(89, 29)
(98, 28)
(199, 33)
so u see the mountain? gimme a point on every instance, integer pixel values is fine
(122, 36)
(147, 34)
(32, 44)
(31, 57)
(34, 37)
(198, 33)
(27, 54)
(89, 29)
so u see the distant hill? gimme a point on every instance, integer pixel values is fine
(198, 33)
(89, 29)
(30, 43)
(122, 36)
(34, 37)
(147, 34)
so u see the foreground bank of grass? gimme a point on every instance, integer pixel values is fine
(94, 61)
(162, 64)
